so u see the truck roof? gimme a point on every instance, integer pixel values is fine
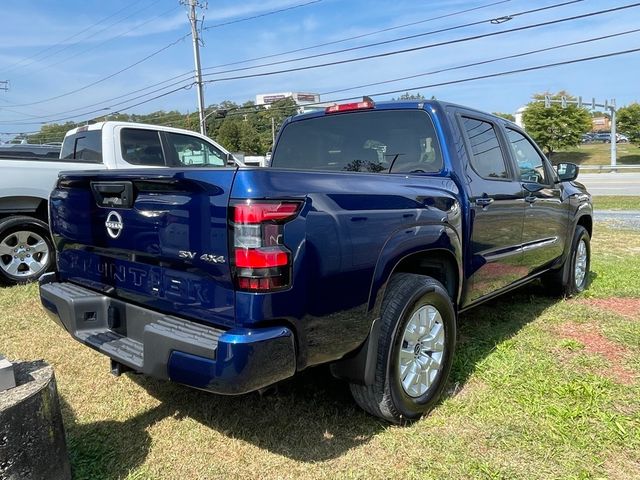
(114, 124)
(403, 104)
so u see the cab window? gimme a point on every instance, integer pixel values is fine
(191, 151)
(530, 163)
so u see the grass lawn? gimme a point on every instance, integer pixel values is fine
(598, 154)
(616, 202)
(541, 388)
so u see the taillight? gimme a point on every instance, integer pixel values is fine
(347, 107)
(261, 261)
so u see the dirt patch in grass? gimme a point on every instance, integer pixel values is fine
(621, 465)
(627, 307)
(596, 343)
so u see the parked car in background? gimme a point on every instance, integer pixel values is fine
(30, 172)
(587, 138)
(374, 226)
(602, 137)
(621, 138)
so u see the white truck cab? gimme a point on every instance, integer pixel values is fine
(132, 145)
(25, 248)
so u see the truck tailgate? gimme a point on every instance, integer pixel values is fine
(159, 240)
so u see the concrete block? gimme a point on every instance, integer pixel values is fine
(7, 377)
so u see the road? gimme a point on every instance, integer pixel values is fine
(621, 218)
(611, 183)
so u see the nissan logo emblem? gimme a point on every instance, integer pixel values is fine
(114, 224)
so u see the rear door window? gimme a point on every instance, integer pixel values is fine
(487, 158)
(189, 151)
(141, 147)
(375, 141)
(83, 147)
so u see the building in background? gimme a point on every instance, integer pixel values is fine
(601, 124)
(301, 99)
(518, 116)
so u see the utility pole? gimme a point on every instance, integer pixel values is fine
(273, 131)
(4, 85)
(614, 140)
(196, 57)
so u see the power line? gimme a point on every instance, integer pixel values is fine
(363, 35)
(266, 14)
(110, 107)
(181, 77)
(485, 62)
(65, 40)
(103, 79)
(450, 82)
(470, 79)
(93, 47)
(421, 47)
(187, 86)
(422, 87)
(150, 56)
(68, 46)
(394, 40)
(458, 67)
(186, 74)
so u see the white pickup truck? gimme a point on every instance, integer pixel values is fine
(25, 247)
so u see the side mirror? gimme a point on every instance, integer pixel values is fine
(567, 172)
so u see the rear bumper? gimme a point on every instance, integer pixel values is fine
(167, 347)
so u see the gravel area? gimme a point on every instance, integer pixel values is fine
(625, 219)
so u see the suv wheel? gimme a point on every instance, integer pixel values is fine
(26, 251)
(415, 350)
(577, 264)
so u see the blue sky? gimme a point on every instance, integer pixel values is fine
(51, 48)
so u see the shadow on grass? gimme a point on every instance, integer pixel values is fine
(109, 449)
(310, 417)
(484, 327)
(629, 160)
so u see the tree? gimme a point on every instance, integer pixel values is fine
(555, 127)
(53, 132)
(411, 96)
(249, 139)
(229, 134)
(506, 116)
(629, 122)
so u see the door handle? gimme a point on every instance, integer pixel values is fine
(484, 201)
(531, 199)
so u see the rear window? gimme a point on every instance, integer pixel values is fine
(383, 141)
(83, 147)
(141, 147)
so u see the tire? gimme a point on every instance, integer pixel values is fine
(406, 297)
(577, 279)
(26, 250)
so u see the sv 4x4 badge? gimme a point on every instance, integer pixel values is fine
(205, 257)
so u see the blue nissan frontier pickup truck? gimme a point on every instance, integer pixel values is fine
(375, 225)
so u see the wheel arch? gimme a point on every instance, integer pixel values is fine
(433, 251)
(586, 221)
(24, 205)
